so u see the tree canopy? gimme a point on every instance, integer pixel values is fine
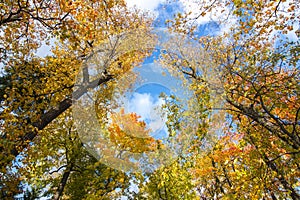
(239, 125)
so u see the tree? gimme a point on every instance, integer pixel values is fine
(37, 90)
(169, 182)
(65, 169)
(128, 133)
(260, 80)
(238, 134)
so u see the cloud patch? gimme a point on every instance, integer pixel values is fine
(149, 110)
(148, 5)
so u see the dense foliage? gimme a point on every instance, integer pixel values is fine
(244, 115)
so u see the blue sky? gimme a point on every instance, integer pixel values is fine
(146, 103)
(165, 9)
(145, 99)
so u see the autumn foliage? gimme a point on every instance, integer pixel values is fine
(130, 134)
(242, 118)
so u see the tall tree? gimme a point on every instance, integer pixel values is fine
(59, 166)
(260, 80)
(38, 89)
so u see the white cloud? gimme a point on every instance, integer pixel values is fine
(141, 104)
(148, 108)
(156, 68)
(157, 122)
(219, 13)
(148, 5)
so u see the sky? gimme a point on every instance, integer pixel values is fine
(145, 99)
(165, 9)
(150, 5)
(146, 103)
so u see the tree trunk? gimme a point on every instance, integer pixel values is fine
(62, 184)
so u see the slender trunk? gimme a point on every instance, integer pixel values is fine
(62, 184)
(218, 182)
(294, 195)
